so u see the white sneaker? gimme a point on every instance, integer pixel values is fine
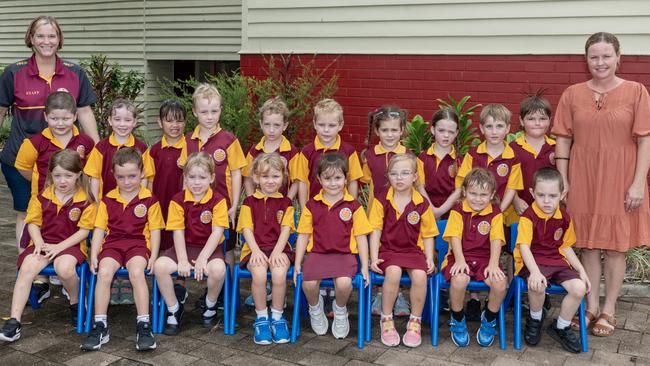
(340, 325)
(319, 323)
(401, 306)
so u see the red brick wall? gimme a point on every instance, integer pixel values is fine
(415, 82)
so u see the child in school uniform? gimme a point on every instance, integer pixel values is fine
(475, 235)
(543, 255)
(273, 123)
(402, 240)
(332, 229)
(127, 234)
(266, 220)
(198, 217)
(59, 219)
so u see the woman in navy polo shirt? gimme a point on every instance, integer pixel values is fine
(24, 87)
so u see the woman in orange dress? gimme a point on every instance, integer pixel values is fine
(603, 151)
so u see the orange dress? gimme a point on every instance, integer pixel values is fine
(603, 161)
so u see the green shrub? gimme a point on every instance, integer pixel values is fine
(467, 135)
(418, 135)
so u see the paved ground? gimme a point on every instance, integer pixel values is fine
(48, 339)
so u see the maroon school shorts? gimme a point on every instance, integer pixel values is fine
(267, 251)
(318, 266)
(553, 274)
(193, 253)
(74, 251)
(122, 252)
(476, 268)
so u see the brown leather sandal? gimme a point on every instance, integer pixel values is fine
(589, 318)
(604, 330)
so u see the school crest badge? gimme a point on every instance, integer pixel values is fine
(345, 214)
(413, 217)
(279, 215)
(557, 235)
(551, 158)
(81, 150)
(503, 169)
(140, 210)
(206, 217)
(219, 155)
(453, 170)
(483, 227)
(74, 214)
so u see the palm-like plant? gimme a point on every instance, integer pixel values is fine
(418, 135)
(467, 135)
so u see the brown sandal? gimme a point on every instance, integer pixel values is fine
(589, 318)
(604, 330)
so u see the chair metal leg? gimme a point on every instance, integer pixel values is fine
(436, 311)
(583, 327)
(90, 302)
(234, 296)
(81, 299)
(155, 306)
(226, 301)
(295, 321)
(517, 289)
(502, 326)
(162, 310)
(368, 313)
(361, 340)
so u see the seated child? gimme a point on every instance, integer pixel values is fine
(332, 229)
(266, 220)
(402, 240)
(127, 234)
(198, 217)
(58, 220)
(475, 235)
(543, 255)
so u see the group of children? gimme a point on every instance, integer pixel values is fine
(165, 209)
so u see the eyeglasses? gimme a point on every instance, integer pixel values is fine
(402, 174)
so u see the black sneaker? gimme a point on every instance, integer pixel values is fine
(172, 329)
(96, 337)
(473, 311)
(144, 340)
(181, 293)
(200, 303)
(10, 330)
(42, 291)
(547, 303)
(208, 321)
(566, 337)
(444, 301)
(533, 331)
(73, 314)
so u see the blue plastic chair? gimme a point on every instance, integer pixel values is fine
(519, 286)
(440, 283)
(160, 308)
(82, 272)
(240, 273)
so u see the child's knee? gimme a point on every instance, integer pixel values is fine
(459, 281)
(279, 275)
(216, 268)
(343, 283)
(418, 279)
(66, 272)
(105, 273)
(498, 286)
(576, 288)
(163, 265)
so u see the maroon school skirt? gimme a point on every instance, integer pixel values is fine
(318, 266)
(409, 260)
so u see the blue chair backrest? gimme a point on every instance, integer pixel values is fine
(513, 236)
(441, 245)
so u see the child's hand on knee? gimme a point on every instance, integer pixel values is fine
(184, 268)
(585, 279)
(278, 260)
(258, 258)
(431, 267)
(200, 265)
(459, 268)
(374, 265)
(537, 282)
(93, 264)
(51, 251)
(494, 273)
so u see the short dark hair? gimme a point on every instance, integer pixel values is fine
(127, 155)
(172, 109)
(60, 100)
(332, 161)
(548, 174)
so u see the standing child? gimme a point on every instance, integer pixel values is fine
(438, 165)
(198, 217)
(495, 155)
(475, 233)
(59, 220)
(332, 229)
(127, 234)
(544, 240)
(266, 220)
(273, 123)
(402, 240)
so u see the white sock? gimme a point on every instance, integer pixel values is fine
(338, 310)
(323, 292)
(173, 309)
(561, 323)
(386, 316)
(315, 309)
(143, 318)
(537, 315)
(262, 313)
(276, 314)
(209, 303)
(102, 318)
(413, 317)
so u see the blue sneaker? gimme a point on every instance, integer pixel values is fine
(459, 333)
(262, 328)
(486, 332)
(280, 330)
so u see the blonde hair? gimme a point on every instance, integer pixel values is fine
(37, 22)
(480, 178)
(264, 162)
(498, 112)
(397, 158)
(71, 161)
(199, 159)
(328, 106)
(207, 91)
(275, 106)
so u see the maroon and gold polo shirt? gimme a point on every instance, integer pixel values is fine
(60, 220)
(475, 230)
(265, 215)
(310, 156)
(531, 162)
(375, 163)
(197, 218)
(100, 161)
(505, 168)
(24, 92)
(438, 175)
(226, 151)
(129, 223)
(402, 231)
(287, 151)
(35, 153)
(167, 172)
(547, 236)
(333, 228)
